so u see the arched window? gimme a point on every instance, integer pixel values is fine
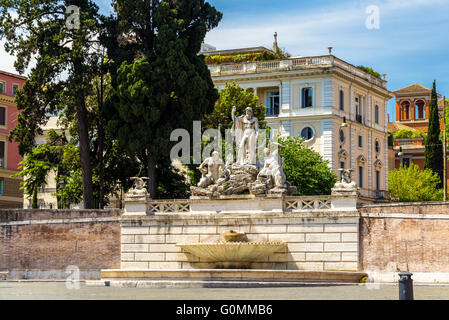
(307, 133)
(420, 112)
(405, 110)
(376, 114)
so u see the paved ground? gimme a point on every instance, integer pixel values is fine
(59, 291)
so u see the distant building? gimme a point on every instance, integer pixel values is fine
(412, 113)
(10, 194)
(207, 47)
(46, 195)
(339, 109)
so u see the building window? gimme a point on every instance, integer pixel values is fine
(376, 114)
(377, 180)
(1, 186)
(273, 104)
(307, 133)
(2, 154)
(360, 141)
(358, 110)
(307, 100)
(2, 116)
(405, 110)
(361, 177)
(15, 87)
(2, 87)
(342, 164)
(342, 136)
(342, 100)
(377, 146)
(420, 112)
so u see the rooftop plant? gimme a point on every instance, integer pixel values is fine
(370, 71)
(244, 57)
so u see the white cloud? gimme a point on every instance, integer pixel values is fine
(340, 26)
(6, 60)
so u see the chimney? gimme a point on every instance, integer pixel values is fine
(275, 43)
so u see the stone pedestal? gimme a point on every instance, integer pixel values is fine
(244, 204)
(344, 198)
(136, 206)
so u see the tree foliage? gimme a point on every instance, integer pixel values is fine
(65, 64)
(164, 84)
(60, 157)
(434, 146)
(233, 95)
(410, 184)
(305, 168)
(409, 134)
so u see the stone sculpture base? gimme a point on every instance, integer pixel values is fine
(241, 180)
(237, 204)
(344, 197)
(136, 205)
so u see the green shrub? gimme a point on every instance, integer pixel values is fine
(305, 168)
(409, 134)
(370, 71)
(412, 184)
(239, 58)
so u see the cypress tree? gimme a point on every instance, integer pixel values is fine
(434, 146)
(161, 82)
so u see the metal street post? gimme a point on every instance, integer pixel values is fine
(444, 151)
(405, 286)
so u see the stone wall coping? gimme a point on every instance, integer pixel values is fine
(59, 221)
(403, 204)
(244, 197)
(310, 214)
(381, 215)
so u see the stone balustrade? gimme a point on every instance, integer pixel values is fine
(293, 64)
(289, 204)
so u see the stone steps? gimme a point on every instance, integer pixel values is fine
(224, 278)
(184, 284)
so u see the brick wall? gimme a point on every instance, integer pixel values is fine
(405, 237)
(314, 241)
(55, 239)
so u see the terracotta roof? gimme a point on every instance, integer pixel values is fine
(413, 89)
(395, 127)
(12, 75)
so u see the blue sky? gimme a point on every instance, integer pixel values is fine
(411, 46)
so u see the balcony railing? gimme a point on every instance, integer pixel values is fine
(293, 64)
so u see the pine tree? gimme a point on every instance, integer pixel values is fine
(61, 44)
(434, 146)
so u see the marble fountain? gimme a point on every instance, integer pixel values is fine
(242, 226)
(233, 251)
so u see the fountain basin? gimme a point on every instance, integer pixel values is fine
(233, 254)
